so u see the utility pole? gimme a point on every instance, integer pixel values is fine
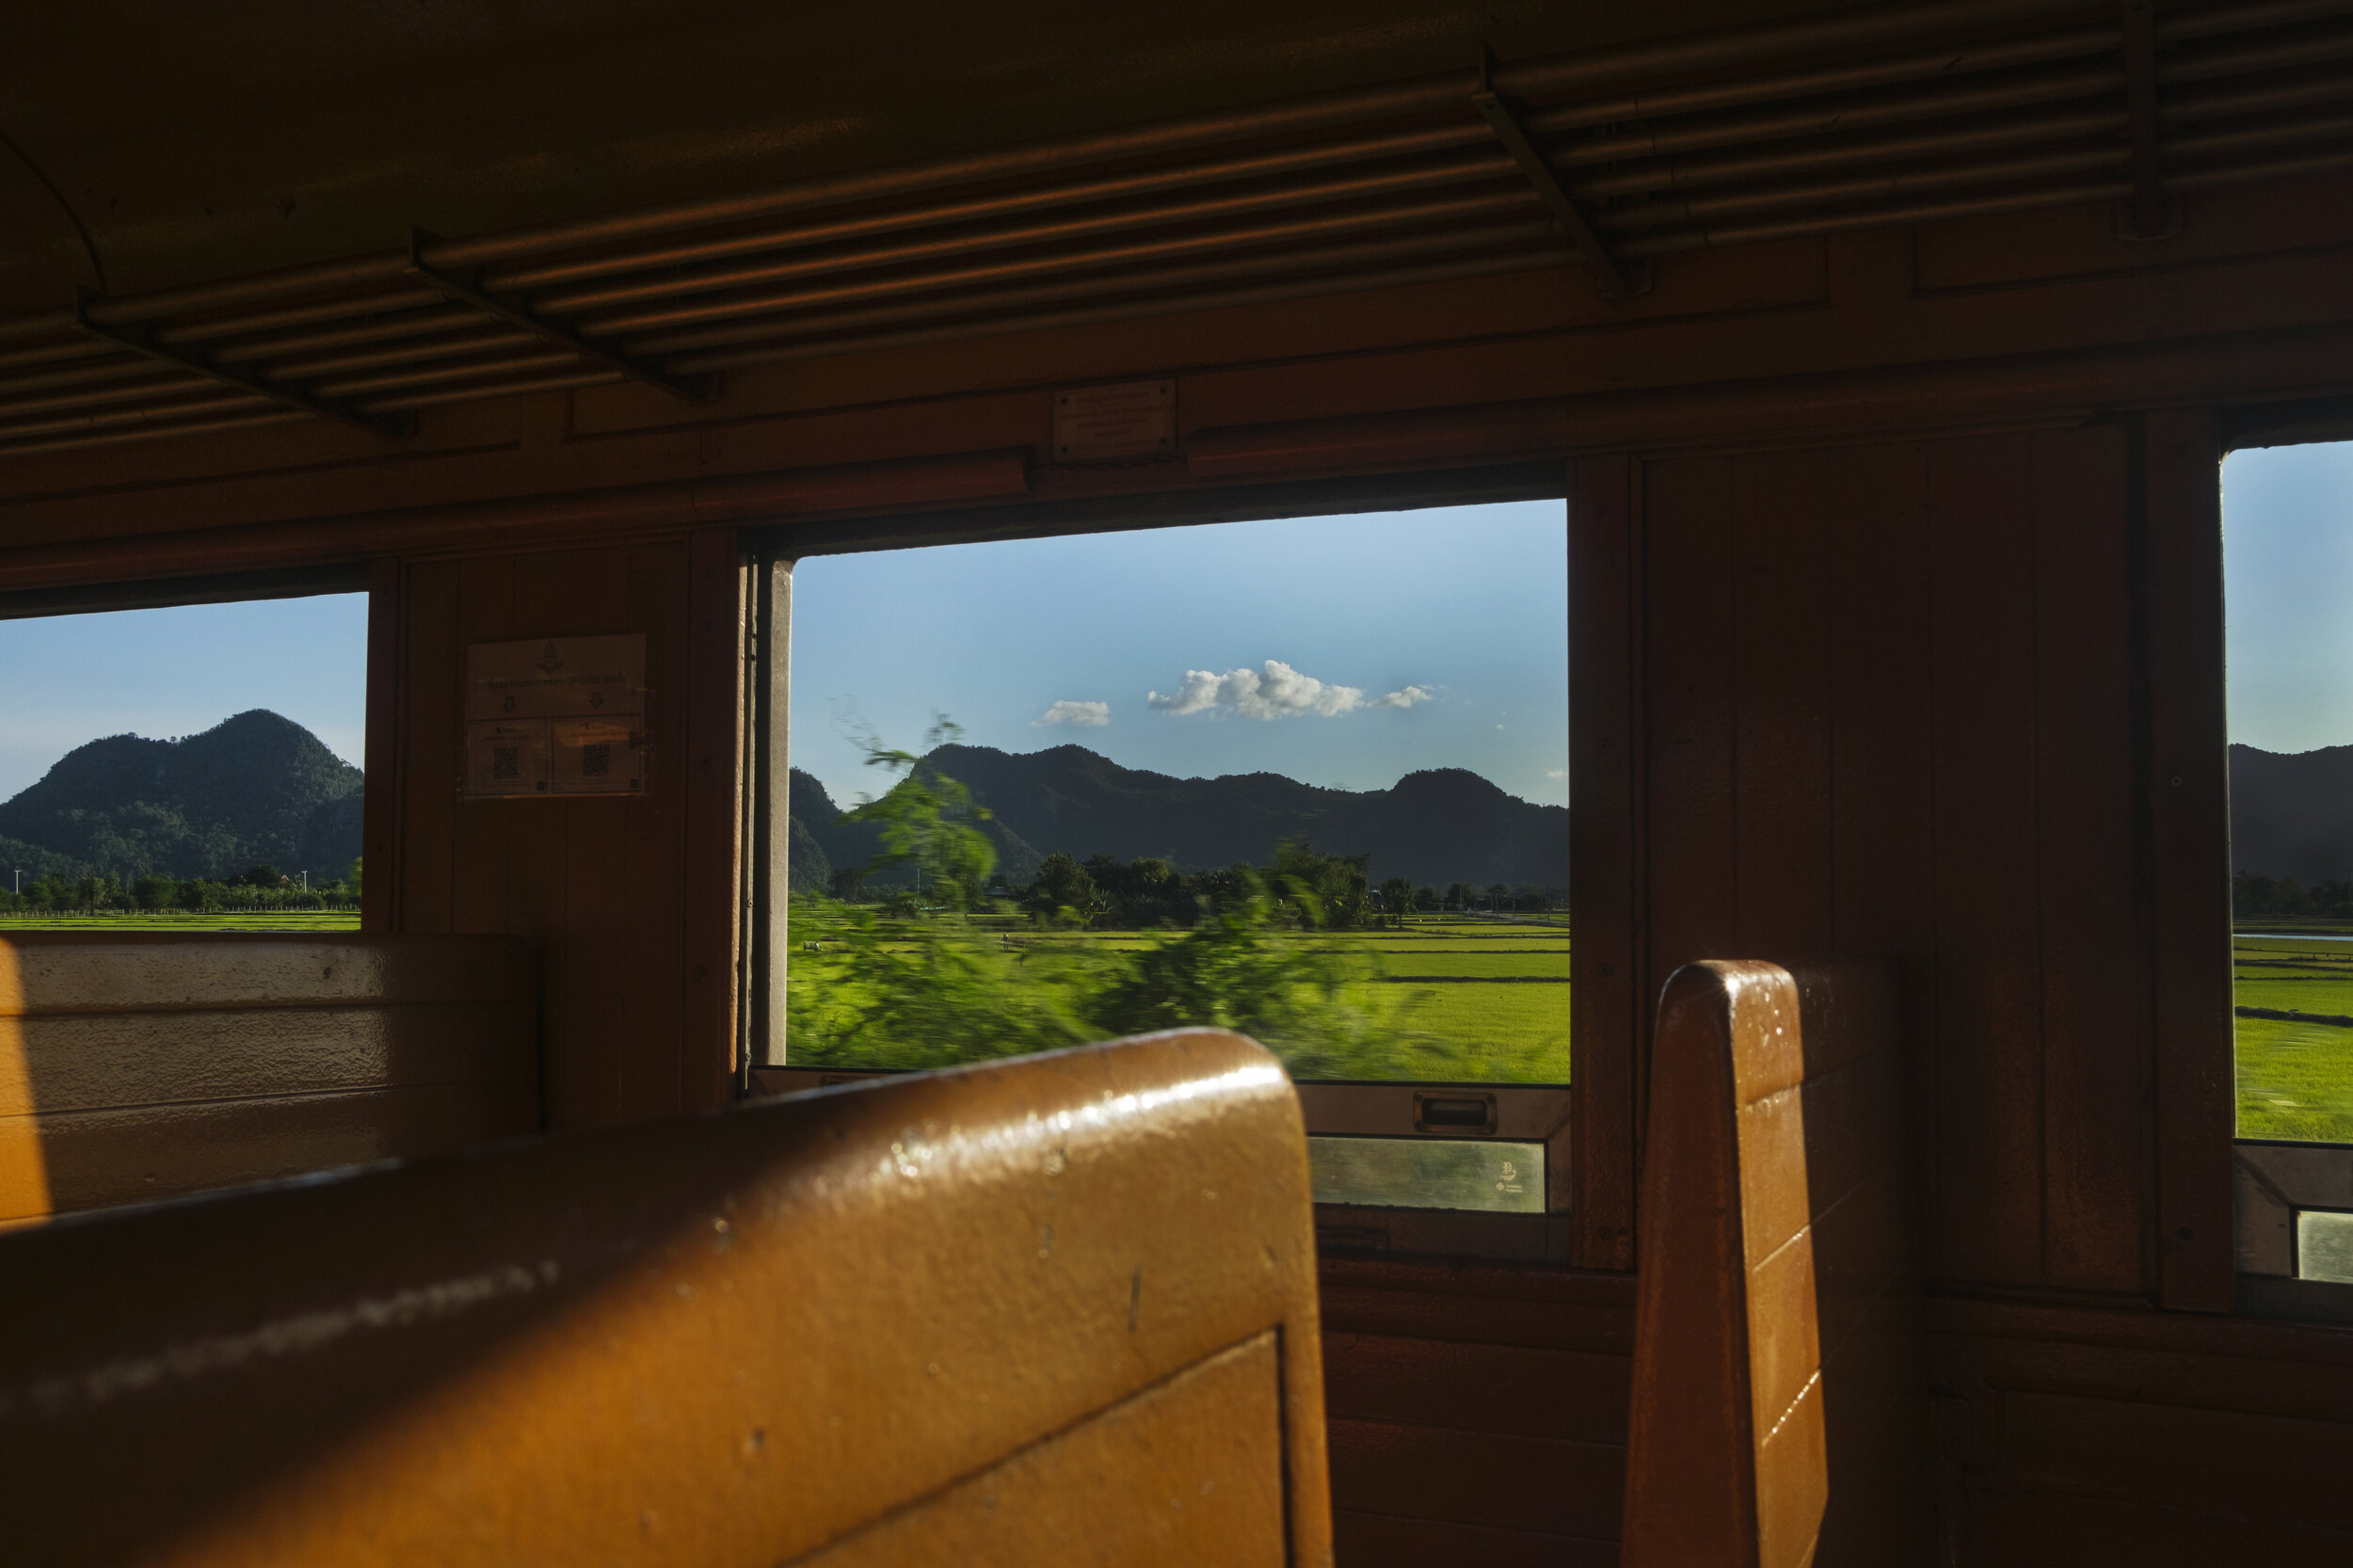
(20, 882)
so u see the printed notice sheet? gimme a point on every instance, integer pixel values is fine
(557, 717)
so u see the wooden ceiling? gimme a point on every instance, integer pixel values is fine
(1487, 165)
(192, 142)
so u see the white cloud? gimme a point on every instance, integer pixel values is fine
(1085, 716)
(1275, 691)
(1407, 698)
(1556, 773)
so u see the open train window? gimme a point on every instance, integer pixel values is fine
(2288, 576)
(184, 755)
(1304, 777)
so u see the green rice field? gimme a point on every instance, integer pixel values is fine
(268, 920)
(2294, 1078)
(1461, 998)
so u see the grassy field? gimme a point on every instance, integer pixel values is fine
(1492, 996)
(2294, 1078)
(1456, 998)
(290, 919)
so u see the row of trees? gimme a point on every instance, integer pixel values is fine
(262, 887)
(1400, 897)
(1148, 893)
(1308, 885)
(2251, 894)
(1303, 886)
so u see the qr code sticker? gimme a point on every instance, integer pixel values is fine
(596, 761)
(506, 762)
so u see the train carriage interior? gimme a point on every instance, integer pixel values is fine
(1629, 842)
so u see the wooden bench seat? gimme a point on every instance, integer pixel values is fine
(1778, 1386)
(138, 1065)
(1053, 1310)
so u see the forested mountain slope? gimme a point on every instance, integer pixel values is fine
(1438, 826)
(254, 789)
(2292, 813)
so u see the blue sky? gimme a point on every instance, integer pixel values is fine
(2288, 548)
(1457, 617)
(162, 673)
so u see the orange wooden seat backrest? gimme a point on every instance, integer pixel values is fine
(137, 1066)
(1059, 1309)
(1777, 1369)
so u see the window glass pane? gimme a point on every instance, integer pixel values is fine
(2288, 569)
(185, 768)
(1429, 1173)
(1303, 777)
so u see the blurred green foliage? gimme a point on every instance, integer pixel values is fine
(918, 982)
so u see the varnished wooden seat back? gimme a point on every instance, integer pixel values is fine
(1777, 1369)
(137, 1066)
(1059, 1309)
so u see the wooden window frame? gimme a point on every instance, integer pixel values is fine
(1589, 1138)
(380, 581)
(2219, 1195)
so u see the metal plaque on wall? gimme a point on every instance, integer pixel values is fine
(557, 717)
(1135, 419)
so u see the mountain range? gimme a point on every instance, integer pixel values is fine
(259, 787)
(256, 789)
(2291, 814)
(1435, 827)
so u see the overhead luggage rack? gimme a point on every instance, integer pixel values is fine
(1862, 119)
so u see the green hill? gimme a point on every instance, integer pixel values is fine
(1436, 826)
(253, 790)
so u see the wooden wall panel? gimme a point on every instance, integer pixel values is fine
(1984, 1154)
(1607, 999)
(654, 893)
(548, 595)
(1512, 1390)
(1889, 699)
(602, 889)
(1691, 591)
(1475, 1415)
(428, 684)
(482, 830)
(379, 829)
(1782, 832)
(1884, 843)
(2088, 896)
(2143, 1438)
(1374, 1540)
(2187, 787)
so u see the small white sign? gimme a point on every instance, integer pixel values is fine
(556, 716)
(1132, 420)
(507, 757)
(598, 757)
(550, 678)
